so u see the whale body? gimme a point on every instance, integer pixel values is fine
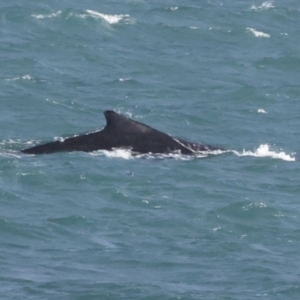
(125, 133)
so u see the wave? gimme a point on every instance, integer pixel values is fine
(110, 19)
(53, 15)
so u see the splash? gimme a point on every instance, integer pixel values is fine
(264, 151)
(258, 33)
(127, 154)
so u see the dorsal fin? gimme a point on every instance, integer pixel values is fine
(123, 124)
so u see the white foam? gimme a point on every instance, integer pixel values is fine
(53, 15)
(258, 33)
(115, 153)
(128, 114)
(25, 77)
(264, 151)
(261, 111)
(24, 174)
(176, 156)
(10, 153)
(10, 141)
(217, 228)
(59, 139)
(254, 205)
(111, 19)
(266, 5)
(127, 154)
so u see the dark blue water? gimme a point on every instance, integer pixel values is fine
(110, 225)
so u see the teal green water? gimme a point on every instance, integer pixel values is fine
(108, 225)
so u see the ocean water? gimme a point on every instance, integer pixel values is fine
(110, 225)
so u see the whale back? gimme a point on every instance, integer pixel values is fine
(121, 132)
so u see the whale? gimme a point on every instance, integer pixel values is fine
(125, 133)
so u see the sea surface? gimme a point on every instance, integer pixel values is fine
(112, 225)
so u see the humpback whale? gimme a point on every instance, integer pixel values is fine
(122, 132)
